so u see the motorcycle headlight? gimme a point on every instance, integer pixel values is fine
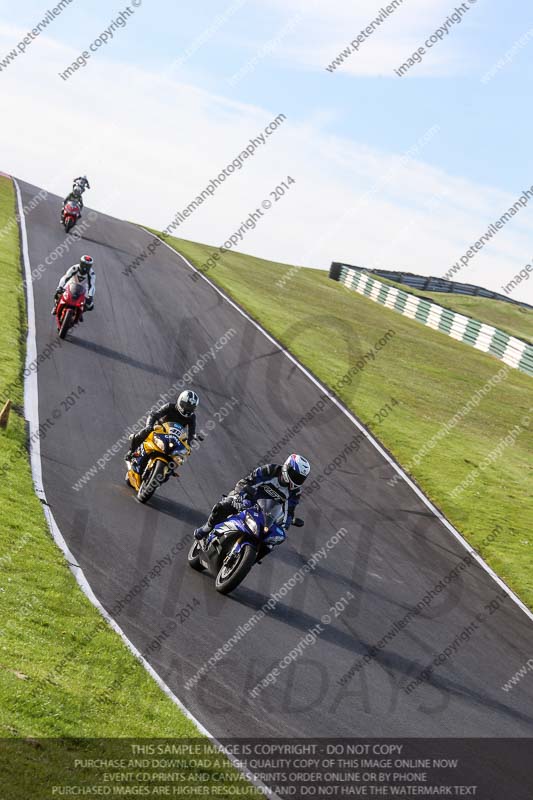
(251, 523)
(276, 536)
(160, 443)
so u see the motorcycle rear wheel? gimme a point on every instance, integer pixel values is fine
(150, 484)
(229, 578)
(66, 323)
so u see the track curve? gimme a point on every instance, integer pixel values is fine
(147, 330)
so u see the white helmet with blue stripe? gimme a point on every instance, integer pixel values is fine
(295, 470)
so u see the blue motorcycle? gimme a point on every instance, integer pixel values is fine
(235, 545)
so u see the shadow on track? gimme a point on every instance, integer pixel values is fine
(177, 510)
(110, 246)
(107, 352)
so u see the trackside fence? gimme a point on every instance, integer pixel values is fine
(512, 351)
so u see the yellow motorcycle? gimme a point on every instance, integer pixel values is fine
(162, 452)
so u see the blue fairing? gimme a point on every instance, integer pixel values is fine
(237, 522)
(173, 444)
(275, 535)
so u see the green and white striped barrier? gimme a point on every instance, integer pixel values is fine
(512, 351)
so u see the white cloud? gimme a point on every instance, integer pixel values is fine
(150, 144)
(327, 27)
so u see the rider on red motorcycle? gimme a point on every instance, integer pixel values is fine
(84, 270)
(74, 195)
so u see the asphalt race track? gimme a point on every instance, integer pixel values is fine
(146, 331)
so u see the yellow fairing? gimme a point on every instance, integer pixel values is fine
(150, 444)
(157, 454)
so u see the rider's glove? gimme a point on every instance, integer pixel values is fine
(89, 305)
(197, 436)
(241, 503)
(58, 293)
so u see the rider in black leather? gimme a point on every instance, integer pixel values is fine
(182, 412)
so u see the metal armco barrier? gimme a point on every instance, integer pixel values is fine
(426, 283)
(512, 351)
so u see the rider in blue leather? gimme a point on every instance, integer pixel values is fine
(273, 481)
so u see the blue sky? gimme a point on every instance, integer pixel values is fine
(346, 130)
(480, 139)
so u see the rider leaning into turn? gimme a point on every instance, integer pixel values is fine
(85, 272)
(182, 412)
(75, 194)
(78, 187)
(271, 481)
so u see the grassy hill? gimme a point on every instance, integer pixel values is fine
(430, 375)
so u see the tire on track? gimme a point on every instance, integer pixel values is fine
(66, 323)
(193, 559)
(148, 486)
(247, 558)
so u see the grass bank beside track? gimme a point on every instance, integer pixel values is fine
(63, 671)
(431, 376)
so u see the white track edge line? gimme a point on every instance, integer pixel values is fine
(31, 413)
(363, 430)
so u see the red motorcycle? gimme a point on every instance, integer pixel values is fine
(70, 306)
(71, 214)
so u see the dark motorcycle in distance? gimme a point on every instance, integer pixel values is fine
(71, 214)
(70, 306)
(235, 545)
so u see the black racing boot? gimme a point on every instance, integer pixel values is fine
(129, 454)
(202, 532)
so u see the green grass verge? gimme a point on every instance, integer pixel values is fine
(63, 671)
(515, 320)
(430, 376)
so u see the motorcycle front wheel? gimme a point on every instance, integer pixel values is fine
(66, 323)
(194, 559)
(235, 569)
(150, 484)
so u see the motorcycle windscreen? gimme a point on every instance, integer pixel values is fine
(273, 512)
(76, 289)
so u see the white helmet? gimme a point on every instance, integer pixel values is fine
(187, 402)
(295, 470)
(86, 263)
